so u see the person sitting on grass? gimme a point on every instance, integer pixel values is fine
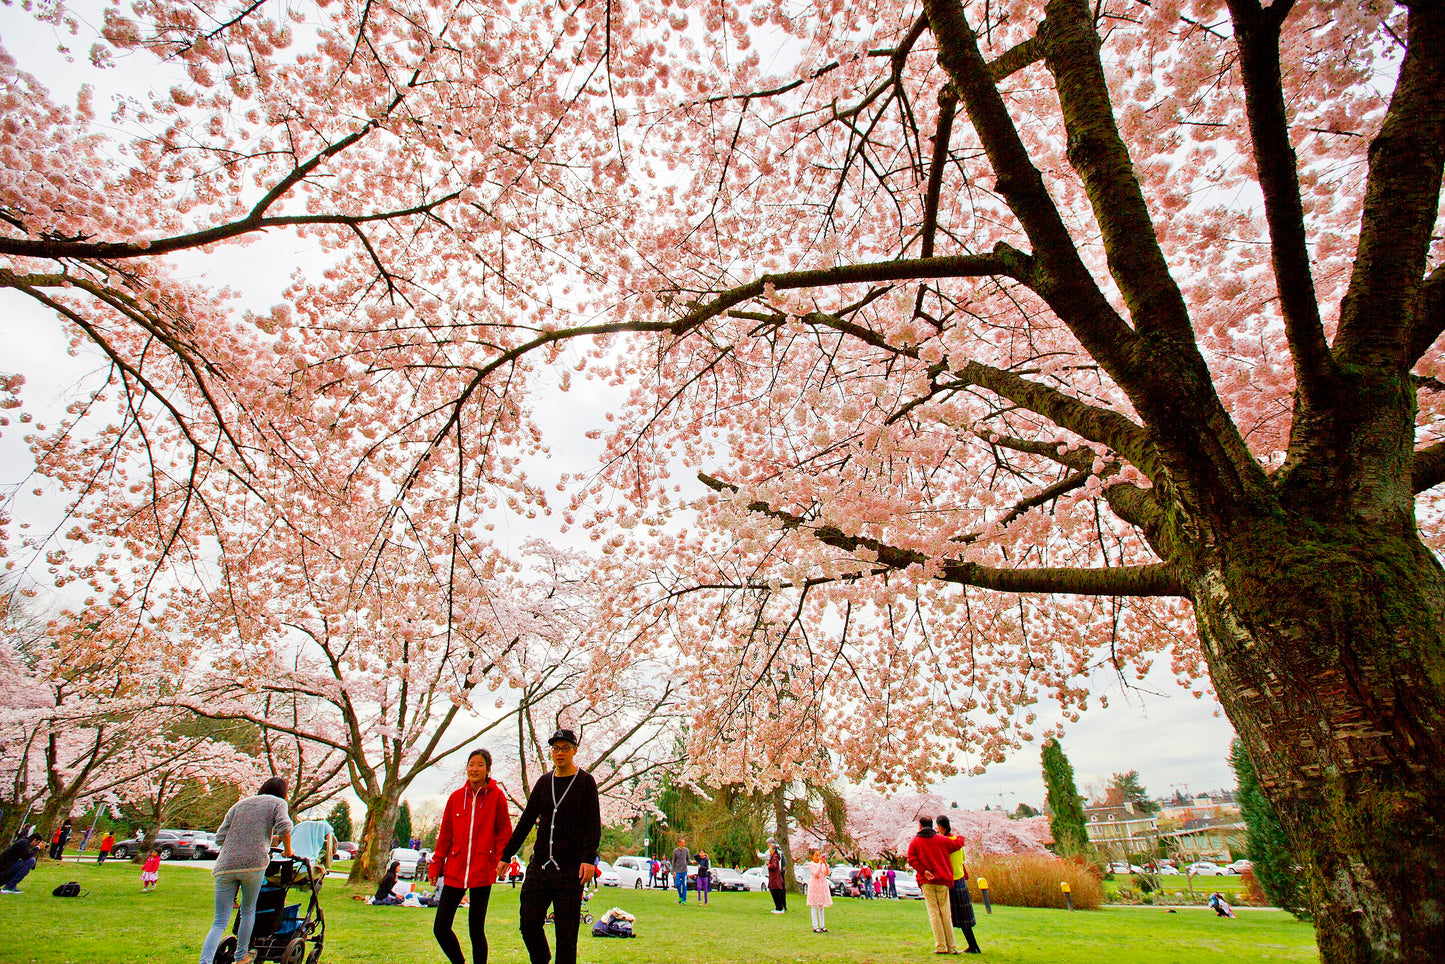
(17, 861)
(386, 890)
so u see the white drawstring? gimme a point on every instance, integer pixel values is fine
(552, 827)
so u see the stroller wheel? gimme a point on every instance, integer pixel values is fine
(295, 951)
(586, 918)
(226, 953)
(315, 956)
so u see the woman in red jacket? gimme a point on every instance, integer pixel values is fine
(475, 828)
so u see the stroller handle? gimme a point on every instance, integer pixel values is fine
(295, 858)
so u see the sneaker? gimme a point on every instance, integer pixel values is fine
(775, 912)
(9, 890)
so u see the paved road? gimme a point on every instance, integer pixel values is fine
(89, 858)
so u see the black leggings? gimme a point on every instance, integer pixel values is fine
(451, 898)
(780, 899)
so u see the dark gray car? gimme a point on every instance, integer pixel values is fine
(171, 844)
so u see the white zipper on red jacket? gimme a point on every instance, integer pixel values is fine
(471, 826)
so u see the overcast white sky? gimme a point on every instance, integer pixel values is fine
(1174, 740)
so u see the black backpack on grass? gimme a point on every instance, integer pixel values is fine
(69, 889)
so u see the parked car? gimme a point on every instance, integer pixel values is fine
(171, 844)
(725, 878)
(346, 850)
(756, 878)
(1240, 866)
(408, 858)
(1122, 867)
(840, 878)
(1205, 868)
(906, 883)
(632, 871)
(607, 876)
(204, 843)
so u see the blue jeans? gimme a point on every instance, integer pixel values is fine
(16, 872)
(680, 880)
(248, 882)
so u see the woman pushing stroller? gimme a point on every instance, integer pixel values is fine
(245, 841)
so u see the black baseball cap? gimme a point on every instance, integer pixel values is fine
(564, 736)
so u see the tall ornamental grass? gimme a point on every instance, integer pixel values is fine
(1034, 882)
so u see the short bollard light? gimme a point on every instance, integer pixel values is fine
(983, 892)
(1068, 894)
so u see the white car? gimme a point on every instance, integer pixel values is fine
(756, 878)
(1240, 866)
(632, 871)
(1205, 868)
(906, 883)
(608, 877)
(1120, 867)
(408, 858)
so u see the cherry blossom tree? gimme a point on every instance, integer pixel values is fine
(567, 669)
(381, 652)
(882, 826)
(1008, 341)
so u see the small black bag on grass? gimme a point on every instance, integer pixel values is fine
(69, 889)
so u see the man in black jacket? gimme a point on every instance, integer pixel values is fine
(564, 808)
(18, 861)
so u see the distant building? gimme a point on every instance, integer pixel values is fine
(1123, 831)
(1182, 811)
(1207, 840)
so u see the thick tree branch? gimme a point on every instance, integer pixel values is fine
(1098, 153)
(1257, 35)
(1159, 579)
(1429, 470)
(1402, 199)
(1429, 317)
(1063, 280)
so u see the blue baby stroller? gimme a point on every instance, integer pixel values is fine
(282, 931)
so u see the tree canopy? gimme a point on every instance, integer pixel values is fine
(969, 349)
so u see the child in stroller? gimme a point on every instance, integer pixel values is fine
(586, 915)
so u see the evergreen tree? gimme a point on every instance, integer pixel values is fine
(340, 820)
(1065, 806)
(1270, 849)
(402, 829)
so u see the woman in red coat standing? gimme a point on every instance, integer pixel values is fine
(475, 828)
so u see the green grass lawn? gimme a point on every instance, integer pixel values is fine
(115, 922)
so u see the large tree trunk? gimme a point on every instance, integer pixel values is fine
(370, 862)
(57, 808)
(1325, 646)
